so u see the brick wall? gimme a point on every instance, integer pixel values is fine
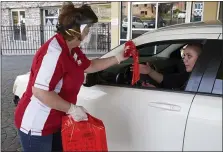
(32, 11)
(5, 17)
(32, 21)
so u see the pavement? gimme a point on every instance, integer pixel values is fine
(12, 66)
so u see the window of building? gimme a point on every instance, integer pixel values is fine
(196, 11)
(50, 19)
(51, 16)
(146, 18)
(171, 13)
(19, 27)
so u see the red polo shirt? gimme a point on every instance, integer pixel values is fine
(53, 69)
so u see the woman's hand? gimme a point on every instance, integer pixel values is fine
(144, 69)
(78, 113)
(120, 56)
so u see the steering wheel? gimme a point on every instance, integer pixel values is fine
(126, 77)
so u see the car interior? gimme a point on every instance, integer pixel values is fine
(165, 58)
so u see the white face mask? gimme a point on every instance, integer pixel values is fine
(85, 42)
(82, 27)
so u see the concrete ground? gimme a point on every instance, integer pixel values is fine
(12, 66)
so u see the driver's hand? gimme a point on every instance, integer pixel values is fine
(143, 69)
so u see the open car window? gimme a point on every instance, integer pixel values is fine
(152, 50)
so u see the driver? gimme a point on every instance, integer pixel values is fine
(191, 53)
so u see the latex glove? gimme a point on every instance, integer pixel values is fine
(120, 56)
(78, 113)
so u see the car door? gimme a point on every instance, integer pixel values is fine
(134, 23)
(139, 23)
(137, 119)
(204, 124)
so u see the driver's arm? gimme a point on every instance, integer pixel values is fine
(146, 69)
(158, 77)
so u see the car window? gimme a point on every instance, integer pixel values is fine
(138, 20)
(120, 74)
(134, 19)
(152, 50)
(217, 88)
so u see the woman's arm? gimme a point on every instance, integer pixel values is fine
(146, 69)
(158, 77)
(51, 99)
(101, 64)
(104, 63)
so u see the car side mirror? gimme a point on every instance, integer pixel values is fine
(90, 79)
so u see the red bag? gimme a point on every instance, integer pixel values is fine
(132, 51)
(83, 136)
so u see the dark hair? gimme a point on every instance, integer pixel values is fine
(66, 22)
(71, 18)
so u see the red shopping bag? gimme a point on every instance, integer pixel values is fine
(83, 136)
(132, 51)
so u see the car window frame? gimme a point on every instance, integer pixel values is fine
(150, 44)
(201, 67)
(210, 74)
(212, 92)
(190, 87)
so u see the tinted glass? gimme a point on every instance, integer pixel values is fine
(217, 89)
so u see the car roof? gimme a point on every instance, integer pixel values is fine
(182, 26)
(195, 30)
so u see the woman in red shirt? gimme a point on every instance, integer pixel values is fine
(57, 74)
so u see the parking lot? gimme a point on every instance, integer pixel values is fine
(11, 67)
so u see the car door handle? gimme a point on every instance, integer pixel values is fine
(165, 106)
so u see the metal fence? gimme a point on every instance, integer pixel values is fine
(25, 40)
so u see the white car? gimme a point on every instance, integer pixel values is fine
(156, 119)
(136, 23)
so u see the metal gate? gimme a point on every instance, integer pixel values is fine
(26, 40)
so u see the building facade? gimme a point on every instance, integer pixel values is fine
(132, 19)
(128, 20)
(26, 26)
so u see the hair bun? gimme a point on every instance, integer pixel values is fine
(67, 8)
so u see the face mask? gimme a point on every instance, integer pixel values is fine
(85, 42)
(82, 27)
